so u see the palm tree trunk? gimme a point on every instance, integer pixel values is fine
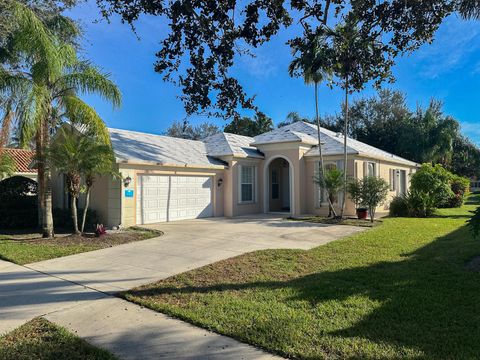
(87, 204)
(331, 210)
(345, 128)
(46, 184)
(75, 215)
(40, 178)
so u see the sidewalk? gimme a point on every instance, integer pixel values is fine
(127, 330)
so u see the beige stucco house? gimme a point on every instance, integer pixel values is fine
(167, 179)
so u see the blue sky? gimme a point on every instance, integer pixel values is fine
(448, 69)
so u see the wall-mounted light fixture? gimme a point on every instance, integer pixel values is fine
(127, 181)
(219, 182)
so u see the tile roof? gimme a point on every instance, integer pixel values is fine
(22, 158)
(226, 144)
(332, 143)
(137, 147)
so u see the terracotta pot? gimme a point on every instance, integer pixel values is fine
(362, 213)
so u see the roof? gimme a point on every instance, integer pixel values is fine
(22, 158)
(226, 144)
(137, 147)
(332, 143)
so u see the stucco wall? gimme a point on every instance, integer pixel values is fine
(232, 204)
(355, 168)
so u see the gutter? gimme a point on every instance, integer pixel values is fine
(186, 165)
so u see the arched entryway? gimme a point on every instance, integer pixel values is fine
(279, 186)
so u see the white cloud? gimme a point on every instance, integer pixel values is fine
(454, 43)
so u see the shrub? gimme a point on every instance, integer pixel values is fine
(399, 206)
(62, 219)
(18, 203)
(430, 188)
(369, 192)
(474, 222)
(460, 187)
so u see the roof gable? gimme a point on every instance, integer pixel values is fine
(226, 144)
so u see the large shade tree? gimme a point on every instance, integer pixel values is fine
(204, 38)
(45, 76)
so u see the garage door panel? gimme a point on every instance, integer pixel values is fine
(170, 197)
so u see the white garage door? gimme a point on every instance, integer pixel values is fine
(170, 197)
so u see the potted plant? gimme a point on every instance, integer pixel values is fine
(354, 188)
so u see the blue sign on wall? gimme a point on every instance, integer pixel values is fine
(128, 193)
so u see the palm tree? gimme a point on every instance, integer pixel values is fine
(311, 66)
(333, 183)
(46, 88)
(75, 154)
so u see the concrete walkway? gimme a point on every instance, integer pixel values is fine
(75, 291)
(125, 329)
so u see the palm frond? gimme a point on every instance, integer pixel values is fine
(87, 79)
(31, 111)
(12, 83)
(85, 118)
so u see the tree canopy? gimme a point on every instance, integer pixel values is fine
(204, 38)
(185, 130)
(247, 126)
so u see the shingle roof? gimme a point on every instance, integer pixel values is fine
(226, 144)
(332, 143)
(22, 158)
(137, 147)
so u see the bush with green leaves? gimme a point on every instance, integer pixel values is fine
(369, 192)
(474, 222)
(18, 203)
(399, 206)
(460, 187)
(430, 188)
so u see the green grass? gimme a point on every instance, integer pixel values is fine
(399, 290)
(29, 251)
(42, 340)
(331, 221)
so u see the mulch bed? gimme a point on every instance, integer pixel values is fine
(115, 237)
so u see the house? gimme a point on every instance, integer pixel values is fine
(23, 160)
(167, 179)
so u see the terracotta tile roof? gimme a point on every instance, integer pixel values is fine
(22, 158)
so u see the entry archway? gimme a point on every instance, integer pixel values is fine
(279, 195)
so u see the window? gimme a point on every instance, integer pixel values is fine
(247, 181)
(275, 186)
(393, 178)
(371, 169)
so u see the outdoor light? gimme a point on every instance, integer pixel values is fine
(219, 182)
(127, 181)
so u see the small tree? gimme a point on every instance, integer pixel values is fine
(75, 155)
(354, 188)
(374, 191)
(333, 184)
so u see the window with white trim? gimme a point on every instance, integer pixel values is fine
(247, 183)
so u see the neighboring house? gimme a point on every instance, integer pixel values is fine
(166, 179)
(23, 160)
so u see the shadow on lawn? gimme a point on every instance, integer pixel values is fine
(427, 301)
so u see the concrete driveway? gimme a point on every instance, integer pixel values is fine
(75, 291)
(187, 245)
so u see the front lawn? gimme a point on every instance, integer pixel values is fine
(28, 248)
(39, 339)
(333, 221)
(399, 290)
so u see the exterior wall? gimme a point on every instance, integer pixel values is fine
(125, 209)
(312, 198)
(99, 199)
(233, 205)
(383, 171)
(356, 167)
